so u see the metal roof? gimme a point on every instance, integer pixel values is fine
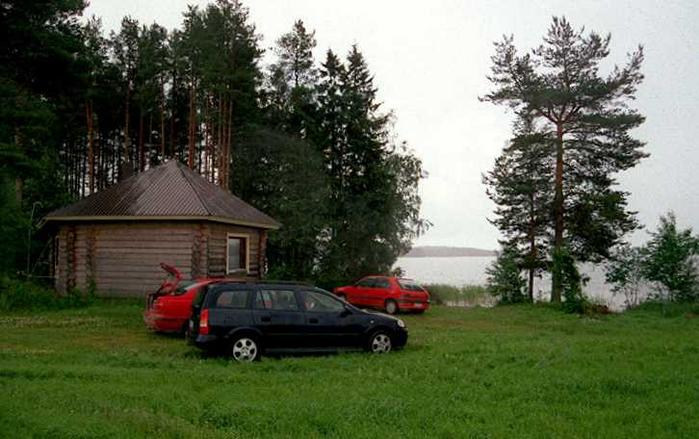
(168, 191)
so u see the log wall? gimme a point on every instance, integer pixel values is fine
(123, 258)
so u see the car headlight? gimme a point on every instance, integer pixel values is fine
(401, 323)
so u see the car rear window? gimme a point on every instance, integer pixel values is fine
(280, 300)
(183, 287)
(409, 285)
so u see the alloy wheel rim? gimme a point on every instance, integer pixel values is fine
(244, 350)
(381, 344)
(391, 307)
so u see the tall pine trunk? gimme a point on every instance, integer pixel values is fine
(192, 129)
(127, 116)
(141, 152)
(557, 275)
(90, 146)
(162, 121)
(227, 156)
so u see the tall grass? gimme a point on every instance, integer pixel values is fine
(467, 295)
(18, 294)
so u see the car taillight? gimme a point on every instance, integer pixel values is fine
(204, 322)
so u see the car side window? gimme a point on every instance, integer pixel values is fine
(317, 302)
(366, 283)
(232, 299)
(381, 282)
(279, 300)
(409, 285)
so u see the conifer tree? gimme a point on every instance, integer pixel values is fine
(520, 185)
(559, 87)
(292, 82)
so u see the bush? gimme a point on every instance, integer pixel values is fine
(18, 294)
(671, 260)
(504, 278)
(624, 271)
(574, 301)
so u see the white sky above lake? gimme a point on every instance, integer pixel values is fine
(430, 60)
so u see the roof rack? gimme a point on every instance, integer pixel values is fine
(261, 282)
(283, 282)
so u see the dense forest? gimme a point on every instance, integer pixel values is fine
(304, 140)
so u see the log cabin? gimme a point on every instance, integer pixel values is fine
(115, 239)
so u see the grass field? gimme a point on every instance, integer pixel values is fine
(504, 372)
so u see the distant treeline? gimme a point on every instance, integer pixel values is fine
(439, 252)
(307, 142)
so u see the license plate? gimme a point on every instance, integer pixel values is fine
(418, 305)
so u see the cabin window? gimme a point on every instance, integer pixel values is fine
(237, 255)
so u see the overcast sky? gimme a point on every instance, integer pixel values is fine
(430, 60)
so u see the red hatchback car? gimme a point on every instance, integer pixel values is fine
(169, 308)
(390, 294)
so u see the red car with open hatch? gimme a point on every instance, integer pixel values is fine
(390, 294)
(170, 307)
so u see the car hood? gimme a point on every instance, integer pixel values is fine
(380, 314)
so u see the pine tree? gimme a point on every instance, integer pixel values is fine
(520, 185)
(559, 86)
(292, 82)
(125, 48)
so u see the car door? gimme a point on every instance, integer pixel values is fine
(380, 291)
(329, 322)
(277, 314)
(362, 292)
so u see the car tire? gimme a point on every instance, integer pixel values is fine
(380, 342)
(245, 349)
(391, 307)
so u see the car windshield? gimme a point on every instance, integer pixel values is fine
(409, 285)
(183, 287)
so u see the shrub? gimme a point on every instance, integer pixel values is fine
(440, 294)
(504, 278)
(18, 294)
(670, 260)
(624, 271)
(574, 299)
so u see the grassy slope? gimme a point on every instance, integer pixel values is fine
(478, 373)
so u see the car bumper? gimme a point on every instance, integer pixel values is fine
(161, 323)
(400, 338)
(413, 306)
(206, 342)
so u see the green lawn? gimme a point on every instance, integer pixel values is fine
(502, 372)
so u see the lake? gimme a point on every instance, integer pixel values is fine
(470, 270)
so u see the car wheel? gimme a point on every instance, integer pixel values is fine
(391, 307)
(245, 349)
(380, 343)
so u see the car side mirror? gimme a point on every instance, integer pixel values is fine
(345, 312)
